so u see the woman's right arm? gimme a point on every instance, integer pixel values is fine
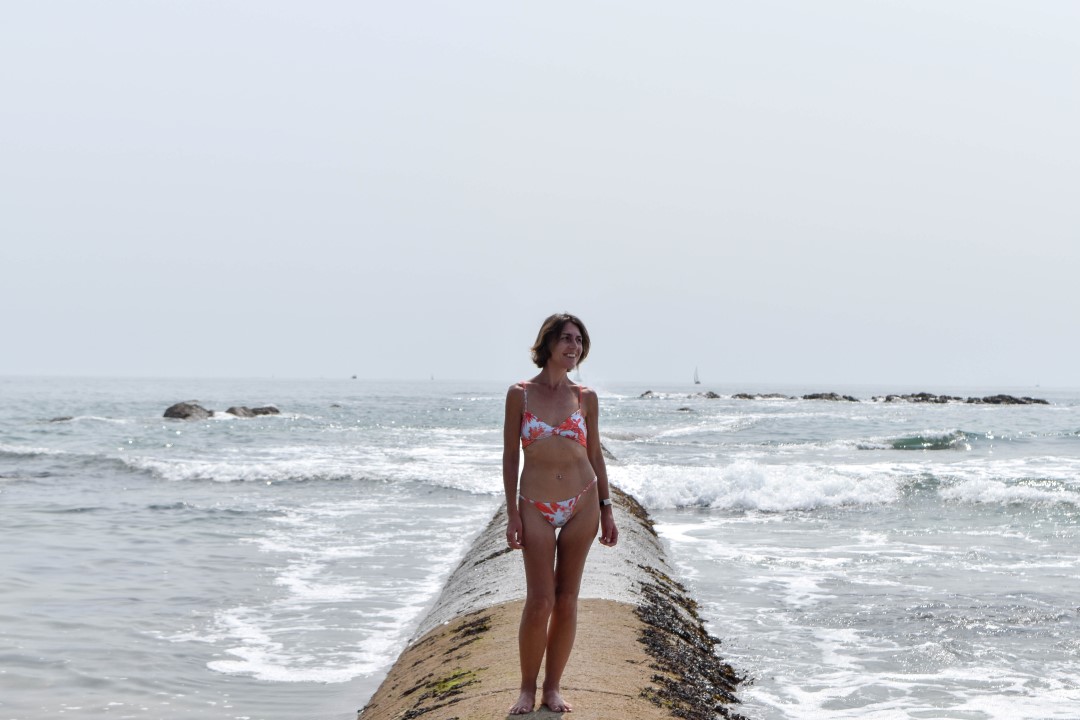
(515, 403)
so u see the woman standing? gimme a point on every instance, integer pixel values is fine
(563, 497)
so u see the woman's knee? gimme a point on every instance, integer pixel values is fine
(538, 606)
(566, 600)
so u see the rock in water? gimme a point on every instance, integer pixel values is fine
(1007, 400)
(830, 396)
(190, 410)
(246, 412)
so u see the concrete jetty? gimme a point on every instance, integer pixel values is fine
(641, 652)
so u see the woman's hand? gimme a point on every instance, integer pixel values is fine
(515, 538)
(609, 534)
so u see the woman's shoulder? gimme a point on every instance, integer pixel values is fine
(515, 400)
(586, 392)
(521, 386)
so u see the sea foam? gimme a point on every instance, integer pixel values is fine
(756, 486)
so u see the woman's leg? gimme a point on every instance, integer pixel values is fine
(539, 555)
(575, 539)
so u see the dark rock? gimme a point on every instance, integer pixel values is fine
(190, 410)
(925, 397)
(922, 397)
(821, 396)
(62, 418)
(335, 405)
(244, 411)
(1007, 400)
(830, 396)
(685, 409)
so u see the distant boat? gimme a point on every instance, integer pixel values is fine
(353, 377)
(697, 380)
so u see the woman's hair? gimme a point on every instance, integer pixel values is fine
(549, 332)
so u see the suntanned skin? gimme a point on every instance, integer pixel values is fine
(556, 468)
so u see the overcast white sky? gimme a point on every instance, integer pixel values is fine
(776, 192)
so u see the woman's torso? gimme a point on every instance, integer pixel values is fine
(554, 433)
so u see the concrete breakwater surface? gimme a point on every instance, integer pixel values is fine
(642, 651)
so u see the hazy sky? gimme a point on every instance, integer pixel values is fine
(776, 192)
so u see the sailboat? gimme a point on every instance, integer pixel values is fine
(697, 380)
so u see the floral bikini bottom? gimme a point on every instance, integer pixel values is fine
(559, 512)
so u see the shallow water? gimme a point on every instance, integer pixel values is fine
(863, 560)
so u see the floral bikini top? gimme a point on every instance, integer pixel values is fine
(533, 428)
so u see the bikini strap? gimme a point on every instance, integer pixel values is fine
(525, 389)
(579, 397)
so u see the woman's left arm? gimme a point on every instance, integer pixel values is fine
(609, 534)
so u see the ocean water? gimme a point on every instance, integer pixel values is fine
(857, 560)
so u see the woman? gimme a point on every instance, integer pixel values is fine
(563, 497)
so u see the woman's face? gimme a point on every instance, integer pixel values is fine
(567, 347)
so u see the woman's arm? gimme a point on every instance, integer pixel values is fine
(515, 403)
(609, 534)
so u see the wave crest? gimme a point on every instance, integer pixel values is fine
(948, 440)
(755, 486)
(999, 492)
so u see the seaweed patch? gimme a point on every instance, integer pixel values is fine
(630, 504)
(691, 681)
(438, 692)
(431, 691)
(469, 632)
(492, 556)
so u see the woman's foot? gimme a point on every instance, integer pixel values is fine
(525, 703)
(555, 702)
